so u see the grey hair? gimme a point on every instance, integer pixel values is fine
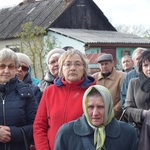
(138, 50)
(8, 54)
(127, 56)
(71, 52)
(54, 51)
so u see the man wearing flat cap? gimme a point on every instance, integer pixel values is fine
(111, 79)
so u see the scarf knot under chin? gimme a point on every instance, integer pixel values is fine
(99, 137)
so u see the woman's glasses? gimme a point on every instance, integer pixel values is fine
(76, 64)
(23, 68)
(10, 67)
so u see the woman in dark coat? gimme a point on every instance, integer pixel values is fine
(17, 104)
(23, 74)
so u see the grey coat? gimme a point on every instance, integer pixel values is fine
(144, 143)
(119, 136)
(136, 101)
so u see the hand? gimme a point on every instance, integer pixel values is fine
(145, 113)
(5, 135)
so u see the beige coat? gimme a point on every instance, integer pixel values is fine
(113, 82)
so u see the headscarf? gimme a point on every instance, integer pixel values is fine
(99, 132)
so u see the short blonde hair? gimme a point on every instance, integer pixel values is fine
(8, 54)
(71, 52)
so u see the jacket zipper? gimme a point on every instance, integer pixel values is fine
(4, 114)
(66, 106)
(4, 111)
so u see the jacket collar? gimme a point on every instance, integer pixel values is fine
(9, 86)
(112, 76)
(83, 83)
(27, 78)
(113, 129)
(82, 128)
(49, 77)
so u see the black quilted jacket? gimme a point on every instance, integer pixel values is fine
(17, 110)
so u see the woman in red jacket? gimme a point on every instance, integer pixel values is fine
(62, 101)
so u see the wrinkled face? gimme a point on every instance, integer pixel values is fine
(73, 68)
(7, 71)
(106, 66)
(22, 71)
(127, 64)
(146, 68)
(53, 64)
(96, 109)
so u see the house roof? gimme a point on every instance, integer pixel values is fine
(42, 13)
(96, 36)
(93, 57)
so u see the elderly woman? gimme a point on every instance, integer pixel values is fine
(62, 101)
(24, 75)
(52, 63)
(137, 102)
(17, 107)
(97, 129)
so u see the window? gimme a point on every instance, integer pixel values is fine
(15, 48)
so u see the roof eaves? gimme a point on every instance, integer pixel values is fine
(55, 31)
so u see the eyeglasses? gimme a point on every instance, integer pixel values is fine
(77, 64)
(10, 67)
(24, 68)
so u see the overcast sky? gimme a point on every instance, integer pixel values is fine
(128, 12)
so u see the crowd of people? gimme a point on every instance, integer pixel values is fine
(71, 109)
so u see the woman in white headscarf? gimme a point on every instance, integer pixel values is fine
(53, 68)
(97, 129)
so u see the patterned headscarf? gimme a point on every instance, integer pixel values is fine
(99, 132)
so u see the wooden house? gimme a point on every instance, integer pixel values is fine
(95, 42)
(78, 21)
(72, 14)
